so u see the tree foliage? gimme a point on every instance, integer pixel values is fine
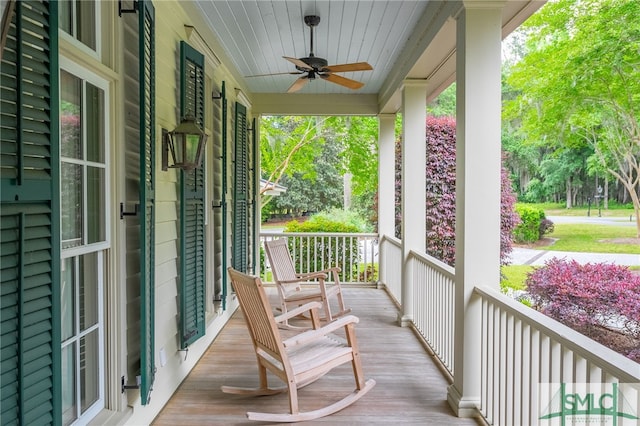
(287, 148)
(579, 84)
(318, 188)
(444, 105)
(309, 155)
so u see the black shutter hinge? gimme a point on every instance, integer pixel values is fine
(124, 386)
(133, 213)
(134, 9)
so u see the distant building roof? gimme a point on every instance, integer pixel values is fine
(271, 188)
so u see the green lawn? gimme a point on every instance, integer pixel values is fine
(556, 209)
(593, 238)
(514, 276)
(576, 238)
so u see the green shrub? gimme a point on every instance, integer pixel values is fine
(335, 220)
(315, 253)
(529, 229)
(368, 273)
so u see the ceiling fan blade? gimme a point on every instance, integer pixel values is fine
(342, 81)
(298, 84)
(275, 73)
(356, 66)
(298, 63)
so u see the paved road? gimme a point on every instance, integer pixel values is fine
(524, 256)
(594, 219)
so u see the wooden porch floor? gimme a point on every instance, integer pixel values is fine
(410, 388)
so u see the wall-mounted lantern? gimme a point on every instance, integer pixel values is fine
(185, 144)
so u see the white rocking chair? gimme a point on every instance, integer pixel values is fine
(289, 282)
(298, 360)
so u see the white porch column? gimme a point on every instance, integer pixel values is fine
(414, 110)
(386, 174)
(478, 101)
(386, 184)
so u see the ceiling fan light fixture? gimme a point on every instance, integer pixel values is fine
(315, 66)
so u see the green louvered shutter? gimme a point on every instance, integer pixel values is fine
(225, 207)
(255, 206)
(147, 202)
(30, 219)
(241, 189)
(192, 243)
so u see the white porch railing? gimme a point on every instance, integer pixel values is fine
(433, 304)
(522, 348)
(355, 254)
(391, 266)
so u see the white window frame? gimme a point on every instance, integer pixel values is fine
(100, 248)
(73, 40)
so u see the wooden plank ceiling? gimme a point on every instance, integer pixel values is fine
(400, 39)
(262, 32)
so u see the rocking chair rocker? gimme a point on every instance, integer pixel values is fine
(289, 282)
(298, 360)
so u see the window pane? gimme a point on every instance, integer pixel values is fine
(70, 116)
(67, 297)
(86, 21)
(89, 370)
(96, 209)
(65, 17)
(88, 291)
(95, 123)
(69, 408)
(71, 204)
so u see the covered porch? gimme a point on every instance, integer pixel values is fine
(411, 387)
(515, 350)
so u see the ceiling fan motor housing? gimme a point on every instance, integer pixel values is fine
(314, 62)
(312, 20)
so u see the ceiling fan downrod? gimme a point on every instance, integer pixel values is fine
(311, 21)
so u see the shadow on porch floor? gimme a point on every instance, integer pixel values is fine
(410, 388)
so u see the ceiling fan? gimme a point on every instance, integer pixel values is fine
(313, 66)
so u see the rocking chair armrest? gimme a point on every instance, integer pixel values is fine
(290, 281)
(304, 277)
(311, 275)
(297, 311)
(311, 335)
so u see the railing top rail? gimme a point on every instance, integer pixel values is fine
(316, 234)
(436, 264)
(625, 369)
(392, 240)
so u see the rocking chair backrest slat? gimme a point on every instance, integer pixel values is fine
(257, 310)
(280, 260)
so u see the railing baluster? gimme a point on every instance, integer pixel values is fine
(535, 354)
(521, 350)
(317, 251)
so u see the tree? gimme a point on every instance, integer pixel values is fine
(359, 137)
(286, 148)
(444, 105)
(292, 149)
(318, 190)
(579, 83)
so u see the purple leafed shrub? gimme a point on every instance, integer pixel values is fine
(441, 188)
(441, 194)
(601, 301)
